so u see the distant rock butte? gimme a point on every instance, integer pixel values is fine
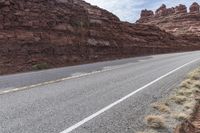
(146, 13)
(176, 20)
(195, 8)
(68, 32)
(180, 9)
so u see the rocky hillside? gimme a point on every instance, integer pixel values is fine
(37, 34)
(176, 20)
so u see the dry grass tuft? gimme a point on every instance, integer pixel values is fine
(184, 96)
(189, 111)
(181, 116)
(186, 83)
(190, 105)
(195, 90)
(179, 99)
(162, 107)
(197, 84)
(195, 75)
(185, 92)
(155, 121)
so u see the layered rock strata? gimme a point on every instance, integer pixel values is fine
(176, 20)
(67, 32)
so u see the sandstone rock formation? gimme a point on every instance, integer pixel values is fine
(146, 13)
(177, 21)
(66, 32)
(195, 8)
(161, 11)
(180, 9)
(164, 11)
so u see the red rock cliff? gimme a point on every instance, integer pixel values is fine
(176, 20)
(66, 32)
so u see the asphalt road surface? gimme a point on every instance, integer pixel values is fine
(104, 97)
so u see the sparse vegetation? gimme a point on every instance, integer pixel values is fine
(162, 107)
(179, 99)
(184, 92)
(180, 116)
(195, 90)
(179, 106)
(186, 84)
(155, 121)
(194, 75)
(40, 66)
(197, 84)
(189, 104)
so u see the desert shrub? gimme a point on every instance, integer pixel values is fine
(184, 92)
(161, 107)
(155, 121)
(40, 66)
(179, 99)
(186, 84)
(195, 75)
(181, 116)
(189, 104)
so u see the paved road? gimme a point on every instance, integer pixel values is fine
(91, 91)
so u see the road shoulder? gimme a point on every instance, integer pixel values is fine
(179, 110)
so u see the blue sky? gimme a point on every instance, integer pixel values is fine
(129, 10)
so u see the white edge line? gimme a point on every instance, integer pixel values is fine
(73, 127)
(53, 81)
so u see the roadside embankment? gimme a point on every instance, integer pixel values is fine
(180, 112)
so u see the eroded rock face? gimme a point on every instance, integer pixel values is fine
(170, 11)
(180, 9)
(146, 13)
(195, 8)
(66, 32)
(5, 2)
(177, 21)
(162, 11)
